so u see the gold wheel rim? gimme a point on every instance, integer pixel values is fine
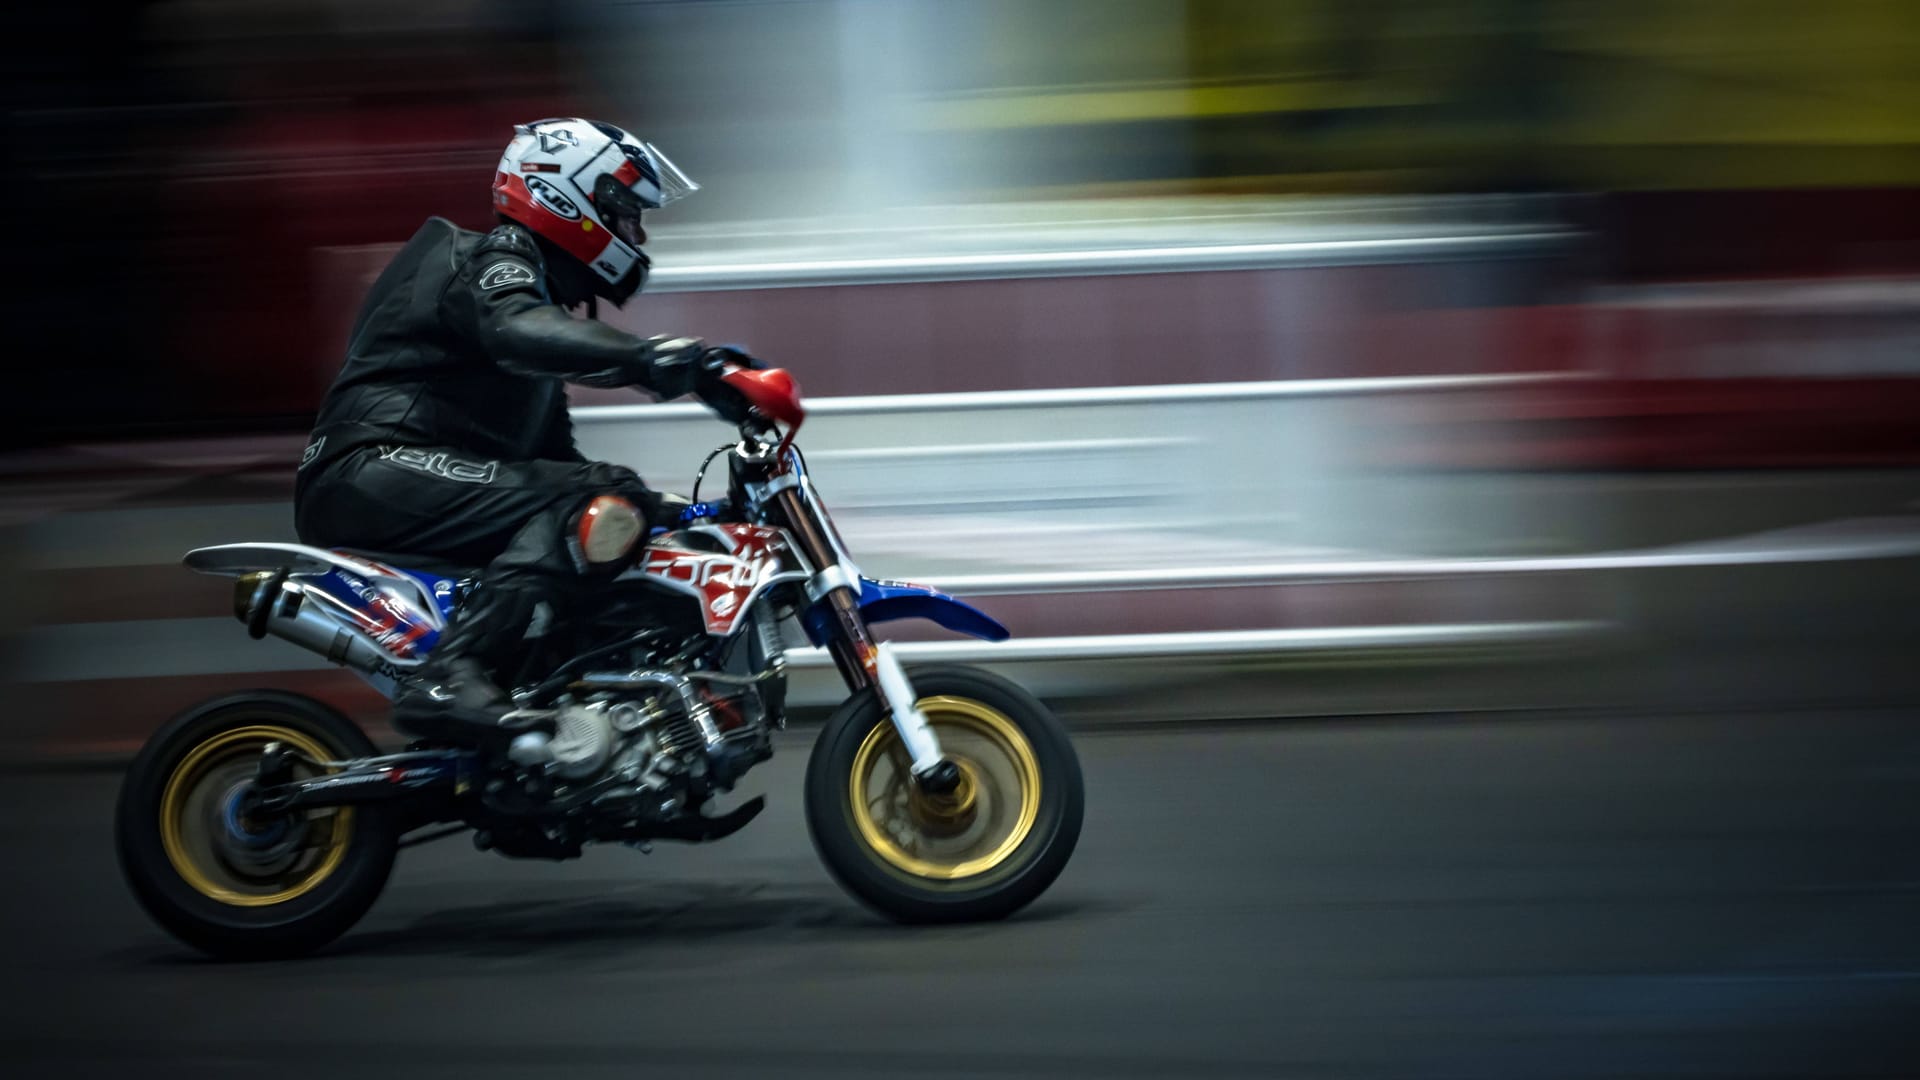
(182, 803)
(1002, 796)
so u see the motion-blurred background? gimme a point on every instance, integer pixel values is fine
(202, 186)
(1471, 278)
(1482, 357)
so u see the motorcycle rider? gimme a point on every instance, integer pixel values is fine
(446, 432)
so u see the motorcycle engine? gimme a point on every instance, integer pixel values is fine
(647, 739)
(653, 728)
(583, 744)
(580, 747)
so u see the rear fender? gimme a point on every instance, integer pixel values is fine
(433, 594)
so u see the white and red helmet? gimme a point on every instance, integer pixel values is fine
(581, 185)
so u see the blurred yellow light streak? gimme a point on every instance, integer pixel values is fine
(1029, 107)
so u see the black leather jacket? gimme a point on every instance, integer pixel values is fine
(460, 345)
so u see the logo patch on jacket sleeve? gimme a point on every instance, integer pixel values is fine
(502, 274)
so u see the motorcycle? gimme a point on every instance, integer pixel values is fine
(264, 824)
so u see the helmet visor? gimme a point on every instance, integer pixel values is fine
(674, 184)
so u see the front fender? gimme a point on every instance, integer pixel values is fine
(882, 601)
(886, 601)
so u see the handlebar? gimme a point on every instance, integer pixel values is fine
(757, 424)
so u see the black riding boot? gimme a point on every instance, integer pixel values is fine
(453, 698)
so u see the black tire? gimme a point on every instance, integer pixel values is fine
(333, 902)
(1008, 885)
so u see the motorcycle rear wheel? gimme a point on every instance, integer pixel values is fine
(220, 880)
(982, 852)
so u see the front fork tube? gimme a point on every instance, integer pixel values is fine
(865, 663)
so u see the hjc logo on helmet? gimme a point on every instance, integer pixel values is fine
(550, 198)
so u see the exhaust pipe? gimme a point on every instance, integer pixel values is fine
(269, 604)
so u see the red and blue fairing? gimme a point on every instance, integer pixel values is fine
(393, 617)
(885, 601)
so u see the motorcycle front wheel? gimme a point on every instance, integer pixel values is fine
(983, 851)
(230, 881)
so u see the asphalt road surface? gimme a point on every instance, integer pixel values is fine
(1526, 897)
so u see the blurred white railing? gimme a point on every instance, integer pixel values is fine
(1843, 541)
(1198, 486)
(1023, 490)
(1063, 492)
(1089, 396)
(1189, 257)
(1230, 643)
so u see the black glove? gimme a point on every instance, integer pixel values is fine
(709, 386)
(736, 356)
(670, 367)
(689, 366)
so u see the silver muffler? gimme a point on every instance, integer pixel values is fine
(268, 603)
